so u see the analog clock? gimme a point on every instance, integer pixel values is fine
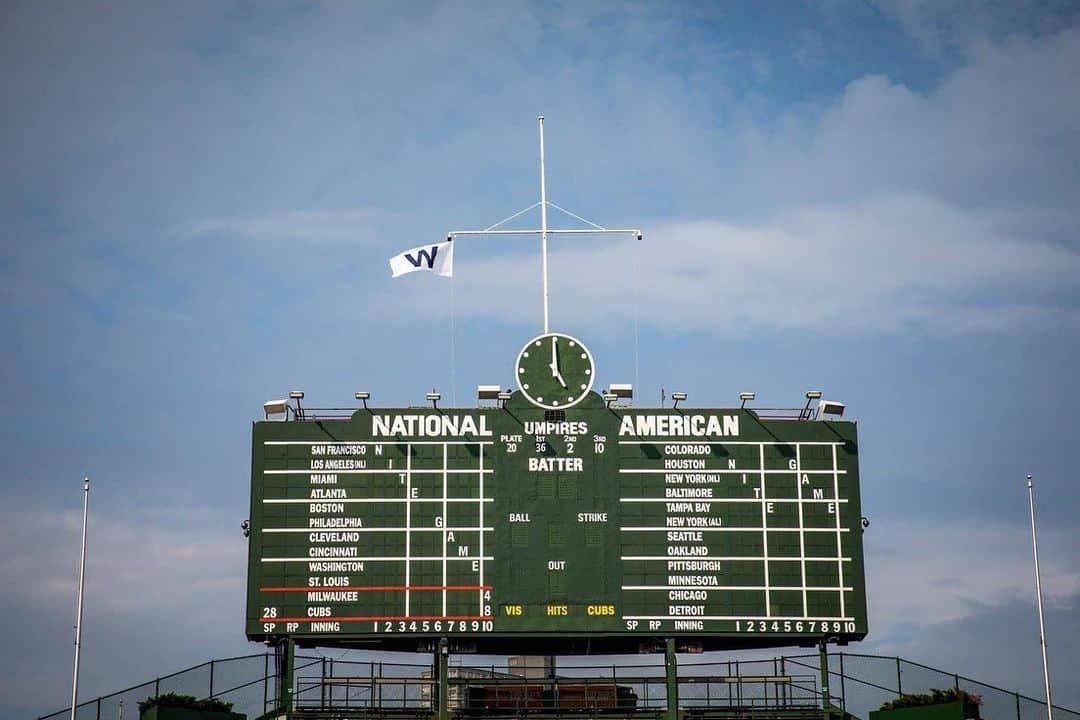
(555, 371)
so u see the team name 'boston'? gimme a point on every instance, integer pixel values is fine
(429, 425)
(680, 425)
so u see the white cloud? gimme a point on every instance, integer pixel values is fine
(929, 575)
(945, 211)
(161, 592)
(153, 554)
(888, 264)
(999, 131)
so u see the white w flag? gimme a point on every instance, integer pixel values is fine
(438, 259)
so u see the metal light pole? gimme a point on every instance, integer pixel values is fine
(1038, 598)
(78, 612)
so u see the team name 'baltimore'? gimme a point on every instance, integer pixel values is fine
(429, 425)
(679, 425)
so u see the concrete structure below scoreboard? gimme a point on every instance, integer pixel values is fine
(532, 666)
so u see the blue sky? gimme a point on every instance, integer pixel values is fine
(198, 201)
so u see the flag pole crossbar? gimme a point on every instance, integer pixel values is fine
(414, 259)
(543, 233)
(579, 231)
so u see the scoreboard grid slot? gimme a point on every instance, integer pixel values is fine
(458, 493)
(610, 535)
(782, 575)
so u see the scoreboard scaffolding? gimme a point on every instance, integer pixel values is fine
(592, 527)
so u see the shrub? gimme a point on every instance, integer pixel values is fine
(185, 701)
(934, 697)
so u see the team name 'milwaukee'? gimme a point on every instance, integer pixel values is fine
(429, 425)
(679, 425)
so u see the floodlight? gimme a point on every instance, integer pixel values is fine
(677, 396)
(623, 391)
(745, 396)
(610, 397)
(830, 407)
(363, 396)
(488, 392)
(297, 395)
(434, 397)
(276, 407)
(504, 397)
(811, 395)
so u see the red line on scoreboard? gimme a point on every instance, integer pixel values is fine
(378, 588)
(369, 618)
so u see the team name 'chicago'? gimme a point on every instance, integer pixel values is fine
(429, 425)
(680, 425)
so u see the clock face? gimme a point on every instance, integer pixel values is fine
(555, 371)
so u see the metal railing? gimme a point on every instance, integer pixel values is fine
(865, 682)
(859, 683)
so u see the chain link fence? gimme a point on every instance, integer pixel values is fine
(858, 684)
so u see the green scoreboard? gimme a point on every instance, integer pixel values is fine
(555, 521)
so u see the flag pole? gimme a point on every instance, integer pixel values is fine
(543, 232)
(79, 608)
(1038, 599)
(543, 223)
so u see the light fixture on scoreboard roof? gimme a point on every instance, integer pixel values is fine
(276, 407)
(746, 396)
(830, 407)
(488, 392)
(434, 397)
(677, 397)
(363, 396)
(609, 397)
(504, 397)
(811, 395)
(298, 395)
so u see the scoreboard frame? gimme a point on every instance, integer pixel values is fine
(596, 528)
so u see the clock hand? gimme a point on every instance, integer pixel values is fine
(559, 377)
(554, 356)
